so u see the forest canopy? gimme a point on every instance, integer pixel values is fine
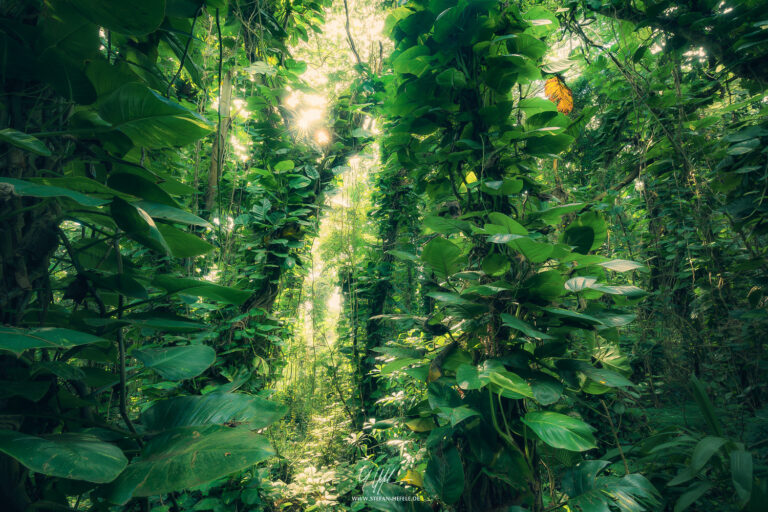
(377, 255)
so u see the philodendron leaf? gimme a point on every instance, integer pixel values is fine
(75, 456)
(182, 243)
(138, 225)
(24, 141)
(169, 213)
(163, 321)
(546, 389)
(149, 119)
(26, 188)
(622, 265)
(18, 340)
(213, 408)
(510, 225)
(586, 233)
(561, 431)
(467, 377)
(186, 457)
(577, 284)
(178, 363)
(524, 327)
(442, 256)
(173, 284)
(444, 476)
(510, 385)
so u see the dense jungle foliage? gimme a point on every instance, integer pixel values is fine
(383, 255)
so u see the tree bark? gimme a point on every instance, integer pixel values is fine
(220, 142)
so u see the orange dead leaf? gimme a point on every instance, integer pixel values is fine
(559, 93)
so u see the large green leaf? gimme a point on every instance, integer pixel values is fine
(510, 225)
(134, 18)
(467, 377)
(510, 384)
(586, 233)
(444, 476)
(183, 244)
(18, 340)
(138, 225)
(705, 405)
(703, 451)
(603, 375)
(581, 283)
(135, 185)
(178, 363)
(545, 286)
(172, 214)
(164, 321)
(622, 265)
(186, 457)
(442, 256)
(535, 252)
(561, 431)
(151, 120)
(625, 290)
(24, 141)
(82, 184)
(567, 315)
(122, 283)
(26, 188)
(548, 146)
(213, 408)
(546, 389)
(690, 496)
(173, 284)
(741, 473)
(588, 492)
(76, 456)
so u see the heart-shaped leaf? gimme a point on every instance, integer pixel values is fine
(561, 431)
(76, 456)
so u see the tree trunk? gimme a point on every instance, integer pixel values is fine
(220, 142)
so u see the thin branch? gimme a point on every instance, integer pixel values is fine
(615, 436)
(121, 350)
(349, 35)
(184, 55)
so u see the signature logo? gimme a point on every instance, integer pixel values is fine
(376, 476)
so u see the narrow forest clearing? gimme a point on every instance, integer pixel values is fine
(363, 255)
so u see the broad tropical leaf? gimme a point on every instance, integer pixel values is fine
(26, 188)
(24, 141)
(213, 408)
(442, 256)
(444, 476)
(201, 289)
(561, 431)
(178, 363)
(18, 340)
(188, 456)
(151, 120)
(76, 456)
